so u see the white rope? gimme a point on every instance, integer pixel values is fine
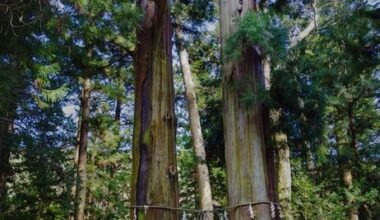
(223, 214)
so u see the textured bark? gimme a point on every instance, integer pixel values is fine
(283, 177)
(244, 131)
(278, 155)
(204, 186)
(154, 169)
(81, 189)
(283, 167)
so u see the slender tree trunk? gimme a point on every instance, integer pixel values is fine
(154, 168)
(347, 181)
(204, 186)
(284, 178)
(244, 131)
(310, 164)
(347, 168)
(118, 122)
(76, 156)
(6, 130)
(345, 153)
(282, 181)
(81, 189)
(118, 111)
(111, 195)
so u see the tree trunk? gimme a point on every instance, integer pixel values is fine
(310, 164)
(244, 125)
(283, 177)
(81, 189)
(6, 130)
(347, 169)
(347, 181)
(154, 168)
(76, 157)
(118, 111)
(345, 152)
(203, 178)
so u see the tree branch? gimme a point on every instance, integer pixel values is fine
(309, 28)
(5, 119)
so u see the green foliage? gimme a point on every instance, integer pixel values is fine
(190, 15)
(249, 95)
(43, 171)
(187, 179)
(312, 200)
(338, 66)
(257, 29)
(327, 89)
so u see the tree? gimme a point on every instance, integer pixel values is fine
(154, 169)
(7, 116)
(279, 135)
(244, 129)
(202, 10)
(204, 186)
(353, 86)
(81, 182)
(103, 49)
(14, 64)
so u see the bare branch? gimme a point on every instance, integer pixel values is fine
(309, 28)
(5, 119)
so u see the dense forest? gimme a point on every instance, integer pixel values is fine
(190, 109)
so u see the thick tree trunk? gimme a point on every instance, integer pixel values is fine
(81, 189)
(244, 131)
(154, 168)
(204, 186)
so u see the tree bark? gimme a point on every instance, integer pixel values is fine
(204, 186)
(244, 125)
(154, 168)
(283, 177)
(283, 180)
(81, 189)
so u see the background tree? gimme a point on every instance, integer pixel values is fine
(195, 15)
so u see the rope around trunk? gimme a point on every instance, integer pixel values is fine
(201, 212)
